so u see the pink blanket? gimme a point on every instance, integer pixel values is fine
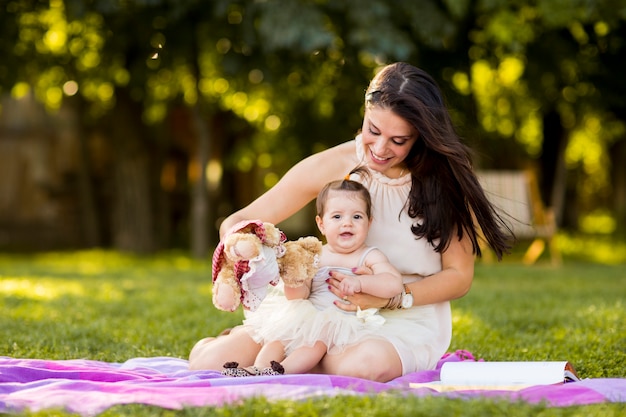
(89, 387)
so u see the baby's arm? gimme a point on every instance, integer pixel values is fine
(350, 285)
(385, 280)
(298, 293)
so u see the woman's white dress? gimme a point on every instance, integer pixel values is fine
(422, 334)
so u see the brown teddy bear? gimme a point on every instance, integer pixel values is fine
(254, 254)
(300, 261)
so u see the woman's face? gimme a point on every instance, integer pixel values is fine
(387, 139)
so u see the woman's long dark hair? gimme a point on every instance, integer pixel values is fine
(445, 192)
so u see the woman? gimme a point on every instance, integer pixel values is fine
(428, 211)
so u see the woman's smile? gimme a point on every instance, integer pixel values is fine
(377, 158)
(387, 139)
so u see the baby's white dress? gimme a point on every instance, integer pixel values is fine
(304, 322)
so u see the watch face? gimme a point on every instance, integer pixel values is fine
(407, 301)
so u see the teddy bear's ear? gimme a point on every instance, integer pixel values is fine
(311, 243)
(272, 235)
(233, 238)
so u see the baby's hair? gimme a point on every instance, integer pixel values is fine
(344, 185)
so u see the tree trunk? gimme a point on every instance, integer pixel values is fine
(132, 217)
(553, 170)
(89, 214)
(618, 171)
(200, 197)
(162, 206)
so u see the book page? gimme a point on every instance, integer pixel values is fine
(503, 373)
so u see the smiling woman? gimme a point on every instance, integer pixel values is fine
(427, 208)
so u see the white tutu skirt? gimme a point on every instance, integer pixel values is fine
(298, 323)
(414, 332)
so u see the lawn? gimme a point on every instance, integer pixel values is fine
(108, 306)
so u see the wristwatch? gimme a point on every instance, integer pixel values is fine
(407, 298)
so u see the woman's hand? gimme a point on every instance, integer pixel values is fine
(351, 302)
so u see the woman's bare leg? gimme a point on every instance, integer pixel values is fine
(213, 352)
(373, 359)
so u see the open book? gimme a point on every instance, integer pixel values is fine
(501, 375)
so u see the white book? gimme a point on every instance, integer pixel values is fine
(501, 375)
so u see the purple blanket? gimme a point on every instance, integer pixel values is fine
(89, 387)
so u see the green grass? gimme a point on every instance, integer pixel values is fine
(108, 306)
(575, 312)
(105, 305)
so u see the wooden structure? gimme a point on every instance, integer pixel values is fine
(516, 195)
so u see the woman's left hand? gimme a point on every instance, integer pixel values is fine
(351, 302)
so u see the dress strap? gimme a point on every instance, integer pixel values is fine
(364, 255)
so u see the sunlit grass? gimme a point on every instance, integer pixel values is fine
(105, 305)
(41, 289)
(109, 306)
(599, 248)
(524, 313)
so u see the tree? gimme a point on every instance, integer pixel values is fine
(215, 101)
(535, 74)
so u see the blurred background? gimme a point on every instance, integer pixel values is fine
(138, 125)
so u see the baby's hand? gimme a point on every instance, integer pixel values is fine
(350, 286)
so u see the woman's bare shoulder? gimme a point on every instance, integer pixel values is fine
(299, 185)
(327, 165)
(346, 152)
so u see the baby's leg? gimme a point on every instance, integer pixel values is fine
(271, 351)
(212, 353)
(304, 358)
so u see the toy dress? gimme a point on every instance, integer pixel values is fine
(304, 322)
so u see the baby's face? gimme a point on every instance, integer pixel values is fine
(345, 223)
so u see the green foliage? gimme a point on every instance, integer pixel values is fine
(280, 79)
(287, 24)
(111, 306)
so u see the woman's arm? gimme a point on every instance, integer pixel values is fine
(297, 187)
(452, 282)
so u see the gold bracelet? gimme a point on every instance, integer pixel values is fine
(393, 303)
(397, 301)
